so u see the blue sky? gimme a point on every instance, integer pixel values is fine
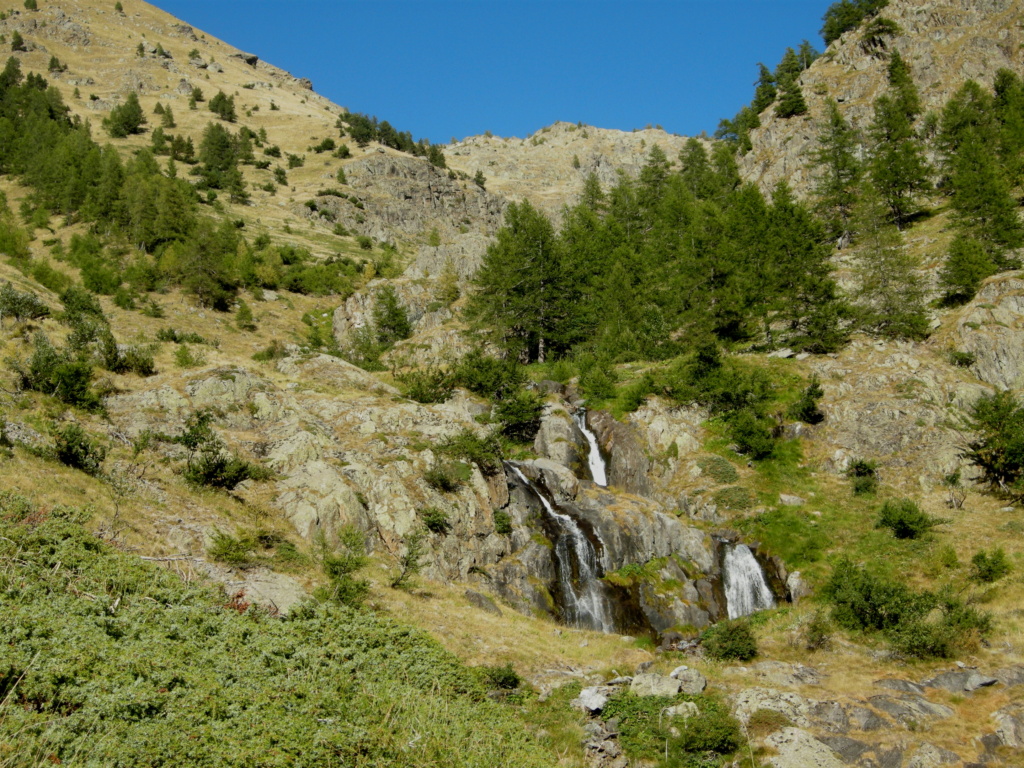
(457, 68)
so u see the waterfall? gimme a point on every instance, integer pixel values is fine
(598, 469)
(746, 591)
(584, 600)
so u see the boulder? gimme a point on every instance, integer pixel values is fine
(591, 700)
(849, 750)
(483, 602)
(796, 748)
(910, 710)
(652, 684)
(788, 500)
(683, 709)
(903, 686)
(794, 707)
(691, 681)
(1010, 726)
(961, 681)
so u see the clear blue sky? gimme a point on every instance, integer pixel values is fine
(444, 68)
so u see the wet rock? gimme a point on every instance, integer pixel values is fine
(560, 440)
(483, 602)
(961, 681)
(797, 748)
(910, 710)
(653, 684)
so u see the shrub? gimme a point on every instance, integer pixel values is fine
(488, 376)
(435, 520)
(215, 468)
(21, 305)
(426, 385)
(229, 550)
(730, 640)
(817, 632)
(905, 519)
(753, 434)
(485, 452)
(73, 447)
(502, 523)
(447, 478)
(864, 600)
(184, 357)
(863, 475)
(988, 567)
(718, 469)
(961, 359)
(519, 415)
(504, 678)
(340, 566)
(806, 408)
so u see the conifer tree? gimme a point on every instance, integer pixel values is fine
(17, 41)
(889, 294)
(838, 172)
(523, 293)
(898, 167)
(765, 90)
(167, 118)
(791, 99)
(125, 119)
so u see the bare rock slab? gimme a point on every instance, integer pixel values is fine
(797, 748)
(651, 684)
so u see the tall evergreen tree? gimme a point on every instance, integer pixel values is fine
(125, 119)
(838, 172)
(898, 166)
(791, 99)
(765, 90)
(889, 293)
(524, 295)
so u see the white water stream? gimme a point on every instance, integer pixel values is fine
(598, 469)
(586, 605)
(746, 591)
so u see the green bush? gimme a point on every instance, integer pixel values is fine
(754, 435)
(905, 519)
(806, 408)
(718, 469)
(485, 452)
(447, 478)
(988, 567)
(20, 305)
(962, 359)
(504, 678)
(426, 385)
(435, 520)
(73, 447)
(863, 476)
(502, 522)
(519, 415)
(55, 372)
(213, 467)
(730, 640)
(230, 550)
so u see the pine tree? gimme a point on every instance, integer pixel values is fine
(791, 99)
(966, 266)
(765, 90)
(243, 317)
(524, 296)
(889, 294)
(167, 118)
(126, 119)
(901, 85)
(838, 172)
(898, 167)
(390, 319)
(17, 41)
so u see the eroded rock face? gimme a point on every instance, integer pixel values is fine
(797, 748)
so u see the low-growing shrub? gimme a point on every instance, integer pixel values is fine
(863, 476)
(718, 469)
(806, 408)
(435, 520)
(730, 640)
(485, 452)
(989, 567)
(905, 519)
(230, 550)
(447, 477)
(502, 522)
(504, 678)
(519, 415)
(426, 385)
(73, 447)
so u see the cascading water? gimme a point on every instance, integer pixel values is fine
(746, 591)
(598, 469)
(585, 603)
